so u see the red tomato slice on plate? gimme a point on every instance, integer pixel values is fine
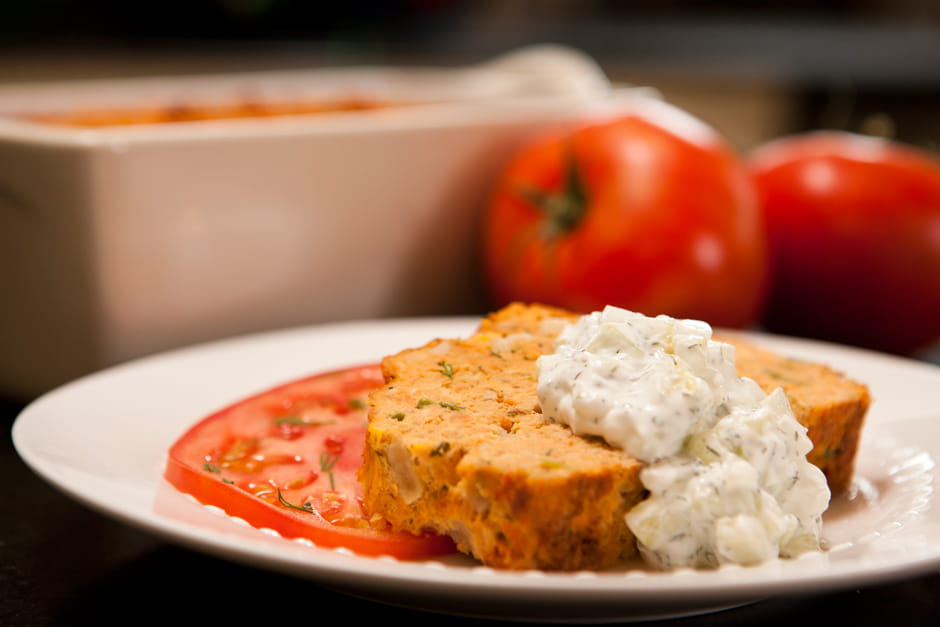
(286, 459)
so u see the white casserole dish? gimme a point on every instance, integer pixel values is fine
(118, 242)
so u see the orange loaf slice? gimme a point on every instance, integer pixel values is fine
(830, 405)
(457, 445)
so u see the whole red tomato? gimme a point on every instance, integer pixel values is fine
(854, 226)
(649, 210)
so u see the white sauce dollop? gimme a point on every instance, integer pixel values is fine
(726, 463)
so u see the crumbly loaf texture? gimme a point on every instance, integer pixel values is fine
(457, 445)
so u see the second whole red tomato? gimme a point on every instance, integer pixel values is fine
(649, 210)
(854, 224)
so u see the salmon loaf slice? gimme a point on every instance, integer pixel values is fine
(457, 445)
(830, 405)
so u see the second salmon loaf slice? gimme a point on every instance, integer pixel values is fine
(456, 445)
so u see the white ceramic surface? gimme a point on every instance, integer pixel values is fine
(102, 440)
(119, 242)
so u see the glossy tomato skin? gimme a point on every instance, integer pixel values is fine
(854, 225)
(670, 223)
(287, 459)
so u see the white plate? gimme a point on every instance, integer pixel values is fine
(102, 440)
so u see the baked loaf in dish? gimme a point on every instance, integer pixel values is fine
(456, 444)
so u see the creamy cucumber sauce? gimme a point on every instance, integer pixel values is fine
(726, 466)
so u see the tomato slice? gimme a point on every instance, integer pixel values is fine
(286, 459)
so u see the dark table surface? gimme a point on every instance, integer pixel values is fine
(64, 564)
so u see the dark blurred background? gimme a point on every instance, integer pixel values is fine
(752, 69)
